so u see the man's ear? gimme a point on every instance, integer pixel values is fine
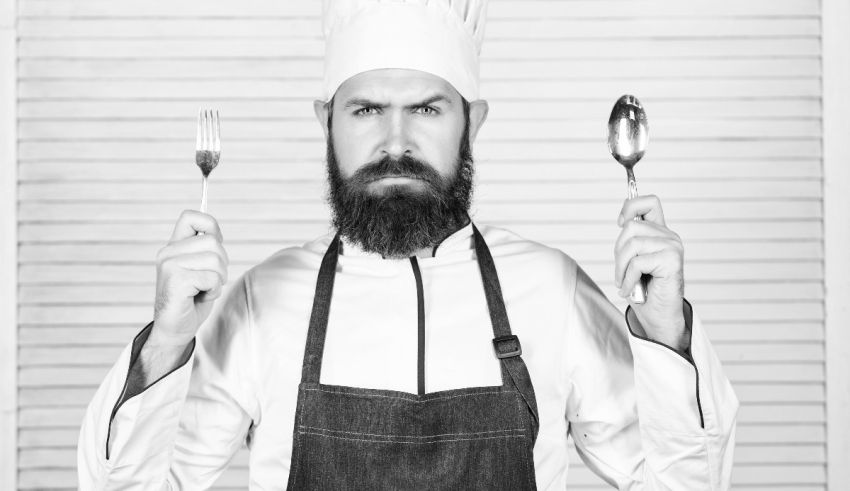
(477, 114)
(322, 110)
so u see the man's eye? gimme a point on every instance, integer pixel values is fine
(426, 110)
(366, 111)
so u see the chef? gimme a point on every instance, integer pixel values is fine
(411, 347)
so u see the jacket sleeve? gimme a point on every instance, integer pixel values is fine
(182, 430)
(642, 415)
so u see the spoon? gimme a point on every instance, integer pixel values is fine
(628, 135)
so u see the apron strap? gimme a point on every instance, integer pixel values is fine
(312, 365)
(507, 345)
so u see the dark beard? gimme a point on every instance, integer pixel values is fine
(400, 220)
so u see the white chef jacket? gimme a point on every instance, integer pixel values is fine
(642, 415)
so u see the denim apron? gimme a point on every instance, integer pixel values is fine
(371, 439)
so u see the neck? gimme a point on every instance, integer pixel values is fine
(426, 252)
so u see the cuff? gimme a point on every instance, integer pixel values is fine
(135, 351)
(667, 381)
(637, 330)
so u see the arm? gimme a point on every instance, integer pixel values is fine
(643, 415)
(152, 362)
(182, 430)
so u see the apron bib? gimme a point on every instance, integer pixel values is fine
(371, 439)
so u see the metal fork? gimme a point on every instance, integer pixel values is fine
(207, 147)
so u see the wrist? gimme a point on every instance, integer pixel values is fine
(167, 341)
(157, 360)
(675, 333)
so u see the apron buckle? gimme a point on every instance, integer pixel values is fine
(507, 346)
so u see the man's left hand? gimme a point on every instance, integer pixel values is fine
(648, 247)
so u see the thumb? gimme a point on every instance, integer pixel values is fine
(209, 295)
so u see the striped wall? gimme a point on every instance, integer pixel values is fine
(107, 98)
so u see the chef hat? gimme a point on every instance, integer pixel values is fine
(441, 37)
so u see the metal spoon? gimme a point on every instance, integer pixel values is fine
(628, 135)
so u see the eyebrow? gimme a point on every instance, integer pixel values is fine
(359, 101)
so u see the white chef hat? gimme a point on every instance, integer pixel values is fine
(441, 37)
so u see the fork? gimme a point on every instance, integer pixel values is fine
(207, 147)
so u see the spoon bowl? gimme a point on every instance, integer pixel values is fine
(628, 131)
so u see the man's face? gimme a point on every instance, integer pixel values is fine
(399, 159)
(394, 113)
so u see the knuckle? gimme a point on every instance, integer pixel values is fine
(629, 270)
(635, 244)
(167, 265)
(161, 255)
(209, 258)
(676, 255)
(201, 279)
(672, 256)
(213, 278)
(207, 241)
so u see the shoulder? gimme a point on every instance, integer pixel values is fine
(530, 262)
(287, 273)
(506, 245)
(291, 260)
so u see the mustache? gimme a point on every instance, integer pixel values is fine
(404, 166)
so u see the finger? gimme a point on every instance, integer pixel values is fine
(211, 294)
(191, 283)
(200, 282)
(639, 246)
(642, 229)
(199, 261)
(648, 207)
(193, 244)
(654, 264)
(191, 222)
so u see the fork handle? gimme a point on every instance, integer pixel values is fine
(204, 196)
(203, 199)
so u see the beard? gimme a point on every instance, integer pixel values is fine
(398, 220)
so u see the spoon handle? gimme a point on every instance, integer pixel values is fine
(638, 295)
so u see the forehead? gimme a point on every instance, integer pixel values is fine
(395, 85)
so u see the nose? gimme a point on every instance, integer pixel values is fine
(397, 138)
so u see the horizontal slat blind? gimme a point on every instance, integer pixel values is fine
(108, 93)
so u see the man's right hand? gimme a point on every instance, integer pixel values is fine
(190, 272)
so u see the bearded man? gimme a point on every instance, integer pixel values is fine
(387, 354)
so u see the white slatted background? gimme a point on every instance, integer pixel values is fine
(108, 93)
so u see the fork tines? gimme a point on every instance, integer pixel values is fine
(208, 141)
